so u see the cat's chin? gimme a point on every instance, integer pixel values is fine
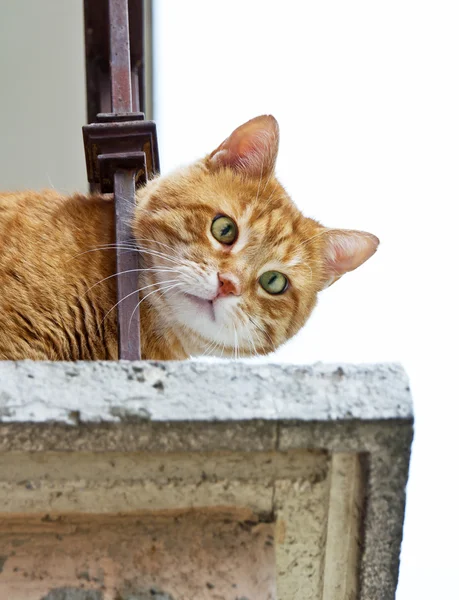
(206, 307)
(207, 326)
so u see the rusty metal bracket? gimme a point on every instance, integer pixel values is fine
(117, 143)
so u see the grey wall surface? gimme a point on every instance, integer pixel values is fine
(42, 99)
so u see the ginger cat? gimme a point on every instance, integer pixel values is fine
(229, 265)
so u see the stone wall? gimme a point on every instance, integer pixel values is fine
(177, 481)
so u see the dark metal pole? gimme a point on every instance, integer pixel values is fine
(120, 56)
(121, 147)
(124, 189)
(126, 260)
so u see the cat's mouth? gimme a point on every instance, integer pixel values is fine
(205, 306)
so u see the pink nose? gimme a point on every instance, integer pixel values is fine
(228, 285)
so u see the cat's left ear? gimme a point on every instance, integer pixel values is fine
(251, 149)
(344, 251)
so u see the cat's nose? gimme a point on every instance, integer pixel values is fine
(228, 284)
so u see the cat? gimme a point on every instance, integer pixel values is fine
(229, 266)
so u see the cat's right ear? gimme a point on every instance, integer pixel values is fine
(344, 250)
(251, 149)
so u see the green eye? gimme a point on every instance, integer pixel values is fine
(224, 230)
(273, 282)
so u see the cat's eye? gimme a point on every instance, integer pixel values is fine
(224, 230)
(273, 282)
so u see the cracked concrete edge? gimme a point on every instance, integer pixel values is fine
(387, 475)
(190, 391)
(385, 447)
(250, 436)
(242, 436)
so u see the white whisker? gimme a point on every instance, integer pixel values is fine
(114, 275)
(170, 287)
(127, 296)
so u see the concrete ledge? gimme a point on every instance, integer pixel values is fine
(199, 391)
(316, 455)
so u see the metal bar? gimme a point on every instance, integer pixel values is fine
(127, 283)
(137, 12)
(120, 56)
(146, 74)
(105, 98)
(121, 148)
(124, 188)
(97, 43)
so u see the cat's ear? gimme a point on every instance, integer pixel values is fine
(251, 149)
(344, 251)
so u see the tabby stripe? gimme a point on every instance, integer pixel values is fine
(270, 331)
(293, 313)
(97, 333)
(106, 330)
(14, 275)
(29, 324)
(85, 341)
(70, 342)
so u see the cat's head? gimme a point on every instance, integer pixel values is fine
(234, 264)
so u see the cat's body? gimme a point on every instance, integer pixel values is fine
(229, 264)
(52, 305)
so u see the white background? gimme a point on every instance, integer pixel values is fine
(367, 97)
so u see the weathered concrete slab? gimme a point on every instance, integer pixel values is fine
(316, 455)
(169, 406)
(199, 391)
